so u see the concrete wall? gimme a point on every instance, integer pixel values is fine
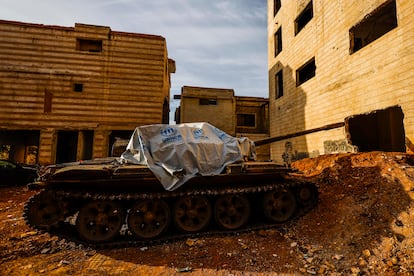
(377, 76)
(123, 82)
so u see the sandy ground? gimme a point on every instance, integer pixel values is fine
(363, 224)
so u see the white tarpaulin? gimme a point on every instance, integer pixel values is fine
(176, 153)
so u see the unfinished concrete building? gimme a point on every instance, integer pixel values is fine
(236, 115)
(340, 76)
(66, 93)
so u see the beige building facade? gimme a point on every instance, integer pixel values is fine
(213, 105)
(236, 115)
(341, 75)
(66, 93)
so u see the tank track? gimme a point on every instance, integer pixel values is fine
(64, 229)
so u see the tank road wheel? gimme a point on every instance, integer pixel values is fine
(44, 211)
(149, 218)
(279, 205)
(192, 213)
(232, 211)
(99, 221)
(307, 195)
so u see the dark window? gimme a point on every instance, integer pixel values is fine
(278, 41)
(306, 72)
(279, 84)
(247, 120)
(208, 102)
(88, 45)
(276, 6)
(373, 26)
(78, 87)
(304, 17)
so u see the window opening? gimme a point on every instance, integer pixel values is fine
(277, 4)
(279, 84)
(373, 26)
(304, 17)
(247, 120)
(78, 87)
(88, 45)
(306, 72)
(379, 130)
(208, 102)
(278, 41)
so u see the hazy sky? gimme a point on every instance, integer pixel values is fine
(215, 43)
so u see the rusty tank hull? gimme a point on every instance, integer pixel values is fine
(103, 202)
(171, 182)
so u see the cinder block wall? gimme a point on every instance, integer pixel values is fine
(377, 76)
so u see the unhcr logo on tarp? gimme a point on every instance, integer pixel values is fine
(170, 135)
(168, 131)
(199, 134)
(222, 135)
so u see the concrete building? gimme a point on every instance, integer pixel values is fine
(236, 115)
(341, 75)
(67, 92)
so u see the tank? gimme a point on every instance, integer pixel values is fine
(172, 182)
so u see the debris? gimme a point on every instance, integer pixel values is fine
(64, 262)
(355, 270)
(362, 262)
(366, 253)
(399, 223)
(309, 260)
(194, 242)
(184, 269)
(45, 250)
(268, 232)
(190, 242)
(90, 253)
(28, 234)
(29, 266)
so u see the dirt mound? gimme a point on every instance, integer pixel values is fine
(364, 220)
(363, 224)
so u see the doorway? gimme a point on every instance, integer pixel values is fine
(67, 145)
(19, 145)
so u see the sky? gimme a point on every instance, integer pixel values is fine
(215, 43)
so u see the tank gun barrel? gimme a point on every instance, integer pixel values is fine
(296, 134)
